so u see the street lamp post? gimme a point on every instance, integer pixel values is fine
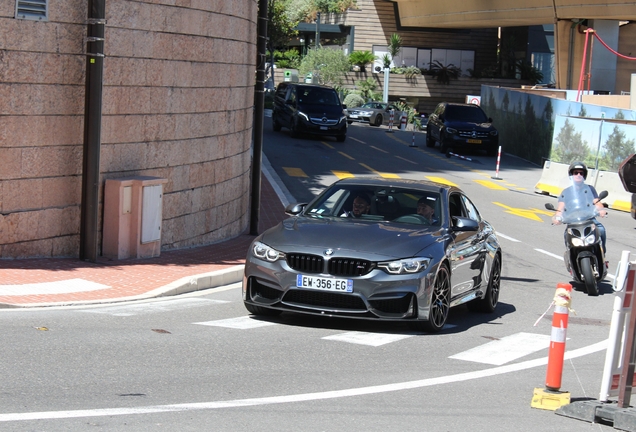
(318, 30)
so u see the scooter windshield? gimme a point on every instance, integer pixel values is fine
(579, 203)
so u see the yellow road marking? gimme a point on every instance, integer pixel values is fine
(295, 172)
(355, 139)
(528, 214)
(440, 180)
(384, 175)
(346, 155)
(342, 174)
(328, 145)
(490, 185)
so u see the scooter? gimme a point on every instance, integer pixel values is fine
(584, 257)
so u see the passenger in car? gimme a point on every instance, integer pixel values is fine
(361, 205)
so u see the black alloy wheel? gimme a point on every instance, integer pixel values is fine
(489, 303)
(440, 304)
(378, 120)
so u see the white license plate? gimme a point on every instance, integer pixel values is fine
(324, 128)
(322, 283)
(353, 115)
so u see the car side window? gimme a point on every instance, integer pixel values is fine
(471, 209)
(455, 207)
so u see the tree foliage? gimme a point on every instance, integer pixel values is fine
(329, 65)
(617, 147)
(307, 10)
(571, 145)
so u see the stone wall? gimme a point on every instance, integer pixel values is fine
(177, 103)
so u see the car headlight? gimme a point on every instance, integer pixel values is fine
(405, 266)
(366, 113)
(451, 130)
(343, 118)
(266, 253)
(303, 115)
(494, 133)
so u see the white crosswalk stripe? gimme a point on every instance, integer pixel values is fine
(240, 323)
(364, 338)
(506, 349)
(153, 307)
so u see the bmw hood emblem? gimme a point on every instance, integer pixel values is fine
(328, 252)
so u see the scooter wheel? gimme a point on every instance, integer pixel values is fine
(588, 275)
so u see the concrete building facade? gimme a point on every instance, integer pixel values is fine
(178, 97)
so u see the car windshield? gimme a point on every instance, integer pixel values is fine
(319, 97)
(378, 203)
(465, 113)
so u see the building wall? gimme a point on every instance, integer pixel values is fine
(177, 103)
(375, 22)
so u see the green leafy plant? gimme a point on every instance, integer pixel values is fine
(408, 71)
(395, 45)
(328, 65)
(386, 61)
(362, 59)
(353, 100)
(289, 59)
(444, 73)
(367, 89)
(528, 72)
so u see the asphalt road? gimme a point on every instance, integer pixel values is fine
(199, 362)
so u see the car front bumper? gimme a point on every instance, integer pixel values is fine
(376, 295)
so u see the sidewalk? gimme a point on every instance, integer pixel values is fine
(70, 281)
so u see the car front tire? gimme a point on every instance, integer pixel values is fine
(439, 306)
(378, 120)
(489, 303)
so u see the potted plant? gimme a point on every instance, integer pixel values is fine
(362, 59)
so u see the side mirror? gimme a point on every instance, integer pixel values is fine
(294, 209)
(344, 106)
(549, 206)
(603, 195)
(464, 224)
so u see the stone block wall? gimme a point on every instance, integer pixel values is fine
(177, 103)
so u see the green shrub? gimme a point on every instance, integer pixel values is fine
(362, 59)
(353, 100)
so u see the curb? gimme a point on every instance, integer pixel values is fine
(184, 285)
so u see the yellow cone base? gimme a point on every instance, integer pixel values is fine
(549, 400)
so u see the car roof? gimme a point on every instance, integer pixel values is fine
(406, 183)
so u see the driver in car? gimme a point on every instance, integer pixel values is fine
(361, 205)
(425, 208)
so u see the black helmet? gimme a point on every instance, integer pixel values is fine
(578, 166)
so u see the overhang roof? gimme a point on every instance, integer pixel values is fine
(507, 13)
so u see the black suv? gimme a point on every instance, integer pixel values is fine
(310, 109)
(456, 125)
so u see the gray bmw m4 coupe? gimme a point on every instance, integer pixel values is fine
(377, 249)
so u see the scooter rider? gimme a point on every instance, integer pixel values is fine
(578, 174)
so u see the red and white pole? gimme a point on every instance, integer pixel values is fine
(496, 177)
(391, 120)
(562, 300)
(413, 142)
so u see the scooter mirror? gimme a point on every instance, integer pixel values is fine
(549, 206)
(603, 195)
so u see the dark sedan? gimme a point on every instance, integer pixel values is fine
(460, 126)
(368, 248)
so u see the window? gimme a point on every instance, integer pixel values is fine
(37, 10)
(472, 210)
